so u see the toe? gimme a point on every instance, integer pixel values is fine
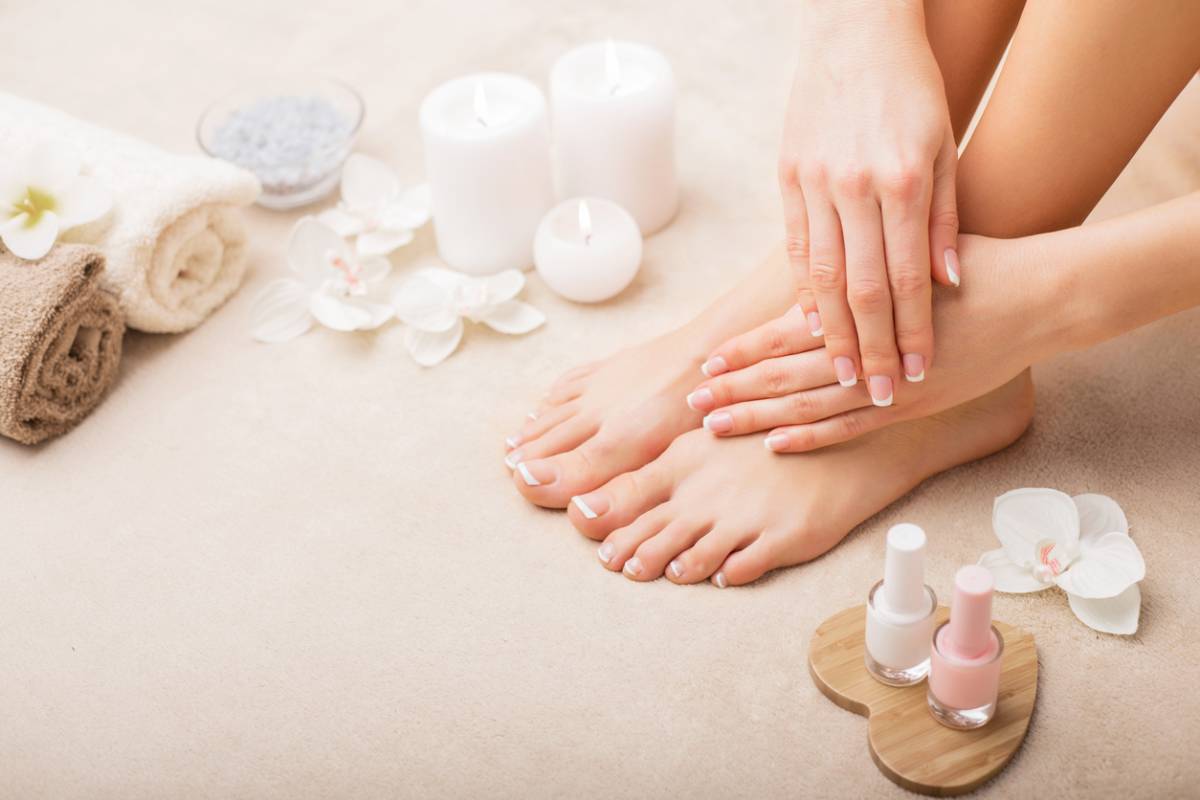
(563, 437)
(617, 552)
(619, 502)
(658, 553)
(702, 559)
(748, 564)
(552, 482)
(536, 425)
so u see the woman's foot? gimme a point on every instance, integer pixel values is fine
(731, 510)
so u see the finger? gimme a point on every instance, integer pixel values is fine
(943, 216)
(780, 337)
(770, 377)
(795, 221)
(826, 432)
(868, 293)
(793, 409)
(827, 280)
(905, 206)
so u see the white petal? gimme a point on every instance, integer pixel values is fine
(424, 305)
(309, 248)
(1105, 567)
(1010, 577)
(345, 223)
(448, 279)
(339, 313)
(504, 285)
(1023, 517)
(374, 269)
(281, 311)
(30, 242)
(382, 242)
(1098, 515)
(85, 199)
(514, 317)
(430, 348)
(52, 164)
(1111, 614)
(367, 183)
(410, 211)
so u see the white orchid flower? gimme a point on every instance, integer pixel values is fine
(374, 207)
(433, 302)
(1080, 544)
(331, 285)
(43, 194)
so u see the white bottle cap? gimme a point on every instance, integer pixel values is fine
(904, 572)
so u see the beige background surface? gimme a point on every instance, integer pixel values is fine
(300, 571)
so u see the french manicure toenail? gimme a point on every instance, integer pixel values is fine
(719, 422)
(719, 580)
(847, 375)
(714, 366)
(880, 387)
(583, 507)
(527, 476)
(512, 441)
(776, 442)
(605, 553)
(700, 400)
(634, 566)
(676, 568)
(814, 323)
(532, 415)
(914, 367)
(952, 265)
(512, 459)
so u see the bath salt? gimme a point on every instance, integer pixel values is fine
(290, 142)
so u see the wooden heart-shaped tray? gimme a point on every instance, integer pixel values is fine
(907, 744)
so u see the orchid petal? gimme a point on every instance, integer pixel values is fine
(411, 211)
(27, 240)
(447, 279)
(514, 317)
(345, 223)
(280, 311)
(1105, 567)
(1099, 515)
(382, 242)
(85, 199)
(422, 304)
(339, 313)
(505, 285)
(374, 269)
(51, 165)
(1023, 517)
(429, 348)
(1110, 614)
(1008, 575)
(367, 183)
(309, 248)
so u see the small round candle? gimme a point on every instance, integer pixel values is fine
(588, 249)
(614, 128)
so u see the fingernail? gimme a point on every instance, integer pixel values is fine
(512, 459)
(532, 415)
(719, 422)
(952, 265)
(714, 366)
(880, 387)
(844, 368)
(700, 400)
(719, 580)
(591, 506)
(676, 568)
(776, 442)
(914, 367)
(634, 566)
(538, 475)
(512, 441)
(814, 323)
(605, 553)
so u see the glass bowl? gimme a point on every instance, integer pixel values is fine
(293, 133)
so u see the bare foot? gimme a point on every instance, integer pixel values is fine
(731, 510)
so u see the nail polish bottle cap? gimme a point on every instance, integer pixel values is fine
(904, 594)
(969, 634)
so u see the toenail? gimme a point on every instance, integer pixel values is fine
(700, 400)
(719, 580)
(676, 568)
(634, 566)
(846, 374)
(606, 552)
(776, 442)
(814, 323)
(914, 367)
(591, 507)
(512, 441)
(532, 415)
(513, 458)
(719, 422)
(714, 366)
(530, 478)
(880, 387)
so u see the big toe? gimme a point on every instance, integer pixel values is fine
(623, 499)
(552, 482)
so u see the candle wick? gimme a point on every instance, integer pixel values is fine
(481, 107)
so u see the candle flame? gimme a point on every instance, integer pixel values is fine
(481, 105)
(612, 67)
(585, 222)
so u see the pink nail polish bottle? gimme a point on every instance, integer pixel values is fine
(900, 611)
(964, 674)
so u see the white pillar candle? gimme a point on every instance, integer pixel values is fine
(614, 128)
(588, 249)
(487, 158)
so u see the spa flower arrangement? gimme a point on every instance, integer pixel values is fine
(1080, 544)
(375, 209)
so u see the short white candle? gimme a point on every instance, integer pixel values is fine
(614, 128)
(487, 159)
(588, 249)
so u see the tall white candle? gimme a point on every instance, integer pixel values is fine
(487, 158)
(614, 128)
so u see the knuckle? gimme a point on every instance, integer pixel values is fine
(851, 426)
(853, 182)
(814, 173)
(867, 296)
(902, 182)
(801, 407)
(909, 283)
(774, 379)
(946, 219)
(825, 276)
(797, 248)
(774, 341)
(786, 170)
(878, 360)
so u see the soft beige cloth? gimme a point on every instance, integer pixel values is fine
(60, 341)
(175, 241)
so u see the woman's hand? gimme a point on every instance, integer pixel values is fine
(867, 174)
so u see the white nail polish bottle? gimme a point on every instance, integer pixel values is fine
(900, 611)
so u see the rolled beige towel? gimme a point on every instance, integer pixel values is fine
(60, 341)
(175, 242)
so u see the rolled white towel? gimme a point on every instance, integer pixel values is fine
(175, 241)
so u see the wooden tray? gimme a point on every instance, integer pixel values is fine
(907, 744)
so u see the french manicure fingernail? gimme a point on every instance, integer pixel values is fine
(532, 415)
(700, 400)
(776, 442)
(633, 566)
(719, 580)
(512, 459)
(814, 323)
(605, 553)
(591, 506)
(952, 265)
(719, 422)
(880, 387)
(914, 367)
(539, 475)
(714, 366)
(676, 568)
(512, 442)
(843, 367)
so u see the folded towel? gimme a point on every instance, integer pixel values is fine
(60, 341)
(175, 242)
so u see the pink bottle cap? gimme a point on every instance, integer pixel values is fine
(969, 634)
